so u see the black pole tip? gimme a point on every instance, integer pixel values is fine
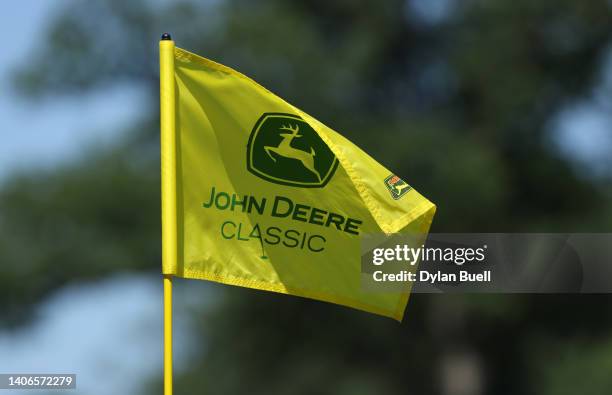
(166, 36)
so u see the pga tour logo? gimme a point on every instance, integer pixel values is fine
(284, 149)
(396, 186)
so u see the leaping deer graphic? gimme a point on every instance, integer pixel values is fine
(285, 149)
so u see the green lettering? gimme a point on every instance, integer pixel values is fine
(218, 200)
(292, 238)
(300, 209)
(212, 198)
(240, 203)
(352, 226)
(254, 234)
(275, 208)
(275, 236)
(311, 248)
(239, 233)
(223, 230)
(317, 216)
(335, 219)
(258, 206)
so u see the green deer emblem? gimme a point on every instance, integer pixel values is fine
(285, 150)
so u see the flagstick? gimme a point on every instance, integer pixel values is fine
(168, 181)
(167, 335)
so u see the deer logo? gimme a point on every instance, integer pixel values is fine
(285, 149)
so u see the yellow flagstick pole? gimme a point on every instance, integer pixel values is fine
(168, 182)
(167, 335)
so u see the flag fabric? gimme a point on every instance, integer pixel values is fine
(270, 198)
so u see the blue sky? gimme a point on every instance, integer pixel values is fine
(583, 129)
(49, 131)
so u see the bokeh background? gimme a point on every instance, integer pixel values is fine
(498, 111)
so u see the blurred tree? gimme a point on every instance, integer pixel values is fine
(458, 106)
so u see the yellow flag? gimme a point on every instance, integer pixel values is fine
(270, 198)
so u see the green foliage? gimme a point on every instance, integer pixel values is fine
(94, 217)
(577, 364)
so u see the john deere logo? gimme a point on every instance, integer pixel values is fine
(397, 186)
(284, 149)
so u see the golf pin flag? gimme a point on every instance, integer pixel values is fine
(270, 198)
